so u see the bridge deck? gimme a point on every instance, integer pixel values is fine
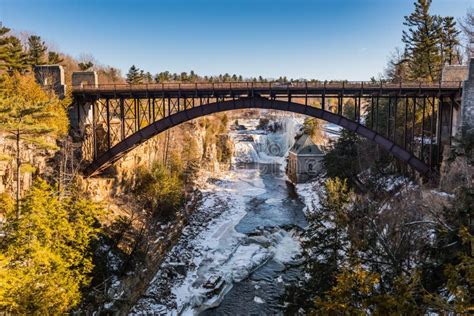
(268, 88)
(395, 116)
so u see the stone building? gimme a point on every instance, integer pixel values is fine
(304, 160)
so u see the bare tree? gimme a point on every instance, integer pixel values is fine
(467, 25)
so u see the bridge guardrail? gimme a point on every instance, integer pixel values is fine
(174, 86)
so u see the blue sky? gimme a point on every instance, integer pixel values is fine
(323, 39)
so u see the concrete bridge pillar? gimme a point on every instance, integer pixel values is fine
(52, 77)
(467, 112)
(80, 113)
(84, 78)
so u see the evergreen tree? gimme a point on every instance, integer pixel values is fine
(340, 160)
(147, 77)
(36, 50)
(134, 75)
(192, 76)
(161, 190)
(85, 65)
(325, 242)
(422, 40)
(28, 115)
(12, 56)
(450, 41)
(54, 58)
(45, 257)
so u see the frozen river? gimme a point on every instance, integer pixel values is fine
(242, 244)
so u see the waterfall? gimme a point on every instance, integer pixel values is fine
(269, 145)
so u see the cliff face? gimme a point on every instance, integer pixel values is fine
(145, 238)
(41, 160)
(457, 169)
(193, 139)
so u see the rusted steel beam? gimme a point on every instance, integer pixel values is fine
(173, 119)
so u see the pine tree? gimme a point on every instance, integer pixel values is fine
(148, 78)
(28, 115)
(45, 258)
(85, 65)
(3, 45)
(192, 76)
(36, 50)
(12, 56)
(421, 42)
(340, 162)
(134, 75)
(325, 242)
(450, 41)
(54, 58)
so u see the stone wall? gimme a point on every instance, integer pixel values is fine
(51, 76)
(467, 115)
(454, 73)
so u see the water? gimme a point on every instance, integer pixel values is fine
(278, 206)
(242, 244)
(277, 210)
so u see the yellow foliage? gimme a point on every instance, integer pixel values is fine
(25, 104)
(351, 294)
(45, 257)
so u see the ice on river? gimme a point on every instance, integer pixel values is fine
(214, 254)
(221, 253)
(260, 146)
(231, 255)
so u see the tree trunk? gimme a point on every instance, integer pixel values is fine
(18, 164)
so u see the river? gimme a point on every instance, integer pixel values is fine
(242, 244)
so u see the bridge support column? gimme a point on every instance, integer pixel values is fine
(80, 113)
(467, 113)
(454, 73)
(52, 77)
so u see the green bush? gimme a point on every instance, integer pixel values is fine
(161, 190)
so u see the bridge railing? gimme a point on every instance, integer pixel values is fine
(174, 86)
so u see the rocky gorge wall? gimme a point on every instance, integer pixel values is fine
(42, 161)
(147, 238)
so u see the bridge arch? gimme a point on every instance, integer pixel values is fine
(256, 102)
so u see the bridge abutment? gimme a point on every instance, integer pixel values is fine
(467, 112)
(80, 114)
(51, 76)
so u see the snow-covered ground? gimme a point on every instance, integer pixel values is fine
(310, 194)
(212, 255)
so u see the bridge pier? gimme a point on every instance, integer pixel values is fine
(467, 112)
(52, 77)
(80, 113)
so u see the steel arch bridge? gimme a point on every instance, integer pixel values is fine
(412, 121)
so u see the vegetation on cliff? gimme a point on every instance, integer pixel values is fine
(378, 244)
(29, 116)
(46, 236)
(45, 254)
(383, 254)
